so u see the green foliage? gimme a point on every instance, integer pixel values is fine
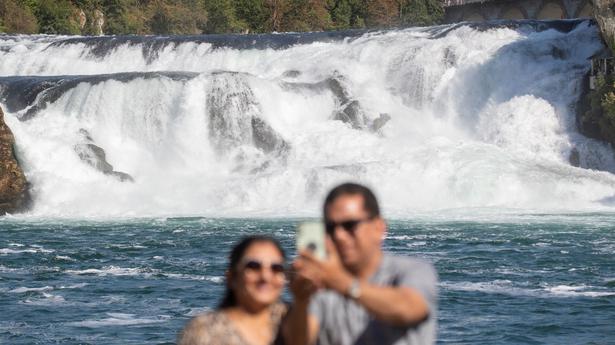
(17, 17)
(210, 16)
(601, 113)
(221, 17)
(255, 14)
(56, 17)
(420, 12)
(174, 18)
(348, 14)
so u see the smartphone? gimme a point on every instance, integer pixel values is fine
(311, 236)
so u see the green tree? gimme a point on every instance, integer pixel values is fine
(115, 17)
(56, 17)
(420, 12)
(221, 17)
(347, 14)
(302, 15)
(254, 13)
(17, 17)
(188, 17)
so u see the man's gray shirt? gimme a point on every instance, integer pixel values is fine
(344, 322)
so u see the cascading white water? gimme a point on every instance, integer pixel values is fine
(479, 117)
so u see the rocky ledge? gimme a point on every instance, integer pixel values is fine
(14, 194)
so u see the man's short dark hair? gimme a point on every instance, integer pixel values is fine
(370, 204)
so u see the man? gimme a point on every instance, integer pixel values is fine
(359, 295)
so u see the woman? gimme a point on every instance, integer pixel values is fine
(250, 312)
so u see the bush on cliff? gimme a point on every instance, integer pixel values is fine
(16, 17)
(599, 120)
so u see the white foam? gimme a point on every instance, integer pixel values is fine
(197, 311)
(112, 271)
(508, 287)
(24, 289)
(7, 251)
(120, 319)
(64, 257)
(480, 119)
(46, 300)
(142, 272)
(576, 291)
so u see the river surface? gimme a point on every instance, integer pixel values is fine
(515, 279)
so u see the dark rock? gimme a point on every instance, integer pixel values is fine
(349, 110)
(604, 13)
(96, 157)
(32, 94)
(123, 177)
(265, 138)
(14, 188)
(378, 123)
(235, 118)
(291, 74)
(575, 158)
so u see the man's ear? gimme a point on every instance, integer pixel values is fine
(381, 226)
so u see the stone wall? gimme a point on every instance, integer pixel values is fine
(457, 11)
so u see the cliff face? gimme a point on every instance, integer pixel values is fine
(604, 12)
(14, 195)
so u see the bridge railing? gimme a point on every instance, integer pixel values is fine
(449, 3)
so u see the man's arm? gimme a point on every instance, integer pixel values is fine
(399, 306)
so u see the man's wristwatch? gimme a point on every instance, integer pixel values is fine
(354, 290)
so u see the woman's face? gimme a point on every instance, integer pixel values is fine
(258, 281)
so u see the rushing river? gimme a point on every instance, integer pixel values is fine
(149, 156)
(522, 279)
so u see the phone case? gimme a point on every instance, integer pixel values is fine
(312, 236)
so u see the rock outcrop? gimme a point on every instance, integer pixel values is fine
(604, 12)
(95, 156)
(237, 128)
(14, 188)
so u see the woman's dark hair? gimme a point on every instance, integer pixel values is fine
(237, 254)
(370, 203)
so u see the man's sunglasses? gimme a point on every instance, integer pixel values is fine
(257, 265)
(349, 225)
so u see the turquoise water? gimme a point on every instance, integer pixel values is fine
(525, 279)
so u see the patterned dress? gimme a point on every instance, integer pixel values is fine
(215, 328)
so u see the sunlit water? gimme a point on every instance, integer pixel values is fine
(523, 279)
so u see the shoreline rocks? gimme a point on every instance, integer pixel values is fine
(14, 188)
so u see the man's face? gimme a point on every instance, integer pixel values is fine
(355, 247)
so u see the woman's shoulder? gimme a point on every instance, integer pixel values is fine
(204, 329)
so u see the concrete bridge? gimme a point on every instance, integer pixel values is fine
(481, 10)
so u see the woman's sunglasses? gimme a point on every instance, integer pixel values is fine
(349, 225)
(257, 265)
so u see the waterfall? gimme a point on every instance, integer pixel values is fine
(435, 118)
